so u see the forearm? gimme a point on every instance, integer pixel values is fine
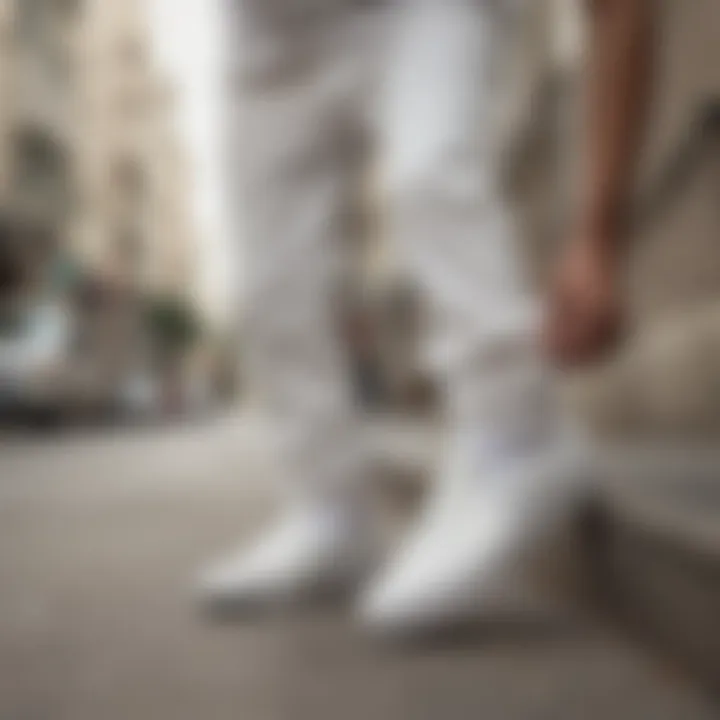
(620, 80)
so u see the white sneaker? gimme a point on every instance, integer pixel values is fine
(315, 550)
(489, 505)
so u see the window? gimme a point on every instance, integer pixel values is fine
(31, 18)
(38, 159)
(36, 17)
(40, 171)
(11, 275)
(69, 9)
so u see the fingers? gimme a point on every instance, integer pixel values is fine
(578, 334)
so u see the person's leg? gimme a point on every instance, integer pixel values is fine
(298, 167)
(501, 468)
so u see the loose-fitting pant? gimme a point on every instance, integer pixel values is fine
(329, 88)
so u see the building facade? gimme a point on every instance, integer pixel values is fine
(96, 212)
(89, 155)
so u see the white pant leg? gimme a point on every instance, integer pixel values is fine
(447, 212)
(298, 167)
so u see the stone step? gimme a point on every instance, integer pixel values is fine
(665, 382)
(645, 553)
(654, 554)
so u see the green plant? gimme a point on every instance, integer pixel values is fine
(173, 324)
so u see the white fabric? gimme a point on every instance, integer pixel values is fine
(497, 511)
(328, 87)
(316, 548)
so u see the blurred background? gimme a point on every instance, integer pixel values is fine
(106, 234)
(127, 438)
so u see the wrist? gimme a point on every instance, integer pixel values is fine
(599, 248)
(607, 221)
(604, 233)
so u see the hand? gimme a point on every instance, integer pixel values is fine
(585, 315)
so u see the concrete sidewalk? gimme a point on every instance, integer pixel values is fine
(99, 540)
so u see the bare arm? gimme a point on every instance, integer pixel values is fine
(621, 62)
(586, 310)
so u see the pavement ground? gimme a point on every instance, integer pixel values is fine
(100, 537)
